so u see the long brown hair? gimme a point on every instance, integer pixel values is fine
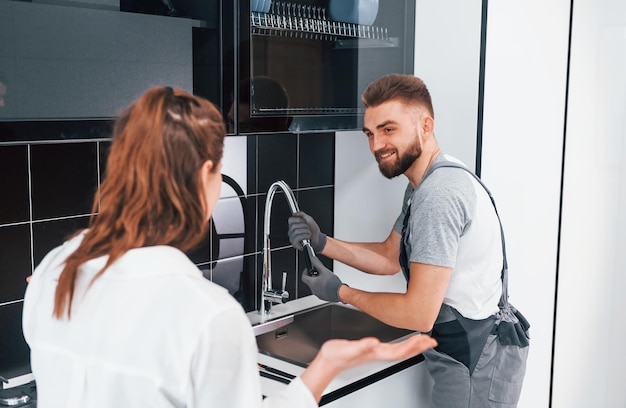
(152, 193)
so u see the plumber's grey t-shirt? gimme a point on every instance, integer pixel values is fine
(453, 224)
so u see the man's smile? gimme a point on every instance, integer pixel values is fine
(386, 155)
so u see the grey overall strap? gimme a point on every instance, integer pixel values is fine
(504, 274)
(511, 325)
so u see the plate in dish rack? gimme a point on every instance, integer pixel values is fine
(353, 11)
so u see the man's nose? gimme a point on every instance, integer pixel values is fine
(376, 143)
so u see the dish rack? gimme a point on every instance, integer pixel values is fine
(295, 20)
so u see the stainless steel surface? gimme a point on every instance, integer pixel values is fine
(24, 395)
(14, 401)
(271, 296)
(299, 341)
(271, 325)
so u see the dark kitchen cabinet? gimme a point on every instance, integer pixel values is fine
(289, 67)
(302, 69)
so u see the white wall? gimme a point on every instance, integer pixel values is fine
(447, 58)
(522, 154)
(590, 326)
(525, 82)
(366, 206)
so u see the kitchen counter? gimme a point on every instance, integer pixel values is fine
(346, 383)
(359, 379)
(406, 380)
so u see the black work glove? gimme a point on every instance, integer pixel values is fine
(303, 226)
(325, 285)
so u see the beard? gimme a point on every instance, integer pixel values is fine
(402, 163)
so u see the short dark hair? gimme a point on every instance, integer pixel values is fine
(408, 88)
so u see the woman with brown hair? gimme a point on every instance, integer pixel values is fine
(119, 316)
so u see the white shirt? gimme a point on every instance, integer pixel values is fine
(150, 332)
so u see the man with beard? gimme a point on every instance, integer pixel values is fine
(448, 243)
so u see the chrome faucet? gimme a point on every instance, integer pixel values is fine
(271, 296)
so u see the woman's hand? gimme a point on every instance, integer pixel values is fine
(347, 354)
(338, 355)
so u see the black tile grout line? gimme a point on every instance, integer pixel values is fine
(30, 213)
(12, 302)
(14, 224)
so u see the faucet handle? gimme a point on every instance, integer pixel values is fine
(308, 254)
(275, 296)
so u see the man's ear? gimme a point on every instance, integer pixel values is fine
(428, 125)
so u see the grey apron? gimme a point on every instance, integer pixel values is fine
(477, 363)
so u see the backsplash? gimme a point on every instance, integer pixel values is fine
(47, 189)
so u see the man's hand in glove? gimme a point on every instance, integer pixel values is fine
(325, 285)
(303, 226)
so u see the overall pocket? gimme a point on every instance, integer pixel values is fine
(508, 375)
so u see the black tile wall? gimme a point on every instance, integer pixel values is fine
(277, 160)
(48, 235)
(316, 165)
(64, 179)
(316, 202)
(14, 186)
(103, 154)
(59, 179)
(283, 261)
(306, 164)
(14, 352)
(201, 254)
(279, 215)
(15, 264)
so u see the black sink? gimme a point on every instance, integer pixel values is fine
(299, 341)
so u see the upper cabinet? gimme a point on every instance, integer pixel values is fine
(270, 66)
(304, 63)
(69, 62)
